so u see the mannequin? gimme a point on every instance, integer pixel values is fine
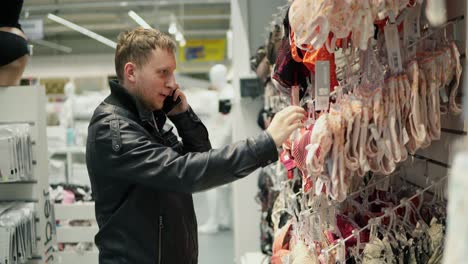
(14, 51)
(219, 127)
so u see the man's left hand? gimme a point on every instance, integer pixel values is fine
(182, 107)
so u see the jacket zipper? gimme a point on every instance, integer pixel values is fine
(161, 226)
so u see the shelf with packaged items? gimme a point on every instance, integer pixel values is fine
(24, 107)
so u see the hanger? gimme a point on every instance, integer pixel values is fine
(442, 27)
(386, 214)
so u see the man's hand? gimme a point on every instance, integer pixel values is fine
(183, 106)
(285, 122)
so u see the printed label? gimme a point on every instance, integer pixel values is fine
(322, 85)
(316, 227)
(392, 43)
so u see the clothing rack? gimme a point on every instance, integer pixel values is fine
(386, 214)
(452, 21)
(442, 164)
(353, 194)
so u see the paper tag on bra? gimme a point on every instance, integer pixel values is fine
(412, 32)
(392, 42)
(331, 218)
(341, 254)
(316, 229)
(295, 95)
(322, 85)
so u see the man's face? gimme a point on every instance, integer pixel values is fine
(155, 80)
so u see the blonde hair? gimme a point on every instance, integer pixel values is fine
(136, 45)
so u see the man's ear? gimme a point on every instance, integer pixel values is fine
(130, 71)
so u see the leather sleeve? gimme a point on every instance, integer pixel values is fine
(127, 152)
(192, 131)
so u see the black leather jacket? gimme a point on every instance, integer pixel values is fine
(142, 178)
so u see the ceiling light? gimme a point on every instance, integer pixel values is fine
(172, 28)
(182, 43)
(82, 30)
(179, 36)
(229, 43)
(53, 45)
(140, 21)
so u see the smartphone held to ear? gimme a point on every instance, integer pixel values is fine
(169, 103)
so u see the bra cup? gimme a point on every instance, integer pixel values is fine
(318, 39)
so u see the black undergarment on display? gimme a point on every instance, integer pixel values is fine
(12, 47)
(10, 12)
(289, 72)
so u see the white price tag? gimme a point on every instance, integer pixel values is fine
(322, 85)
(341, 253)
(392, 42)
(315, 227)
(331, 218)
(412, 31)
(295, 95)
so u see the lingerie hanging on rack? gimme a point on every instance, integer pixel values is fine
(385, 104)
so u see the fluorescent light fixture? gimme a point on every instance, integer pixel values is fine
(82, 30)
(138, 19)
(172, 28)
(53, 45)
(179, 36)
(229, 43)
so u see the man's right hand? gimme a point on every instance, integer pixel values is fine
(285, 122)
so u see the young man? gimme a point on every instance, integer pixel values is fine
(142, 177)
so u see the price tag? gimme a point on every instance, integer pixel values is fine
(341, 253)
(392, 42)
(316, 227)
(412, 31)
(332, 218)
(295, 95)
(322, 85)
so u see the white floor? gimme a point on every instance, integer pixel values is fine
(213, 249)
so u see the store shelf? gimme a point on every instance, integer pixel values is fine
(74, 234)
(74, 211)
(70, 257)
(68, 150)
(20, 182)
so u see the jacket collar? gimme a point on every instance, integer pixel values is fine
(131, 103)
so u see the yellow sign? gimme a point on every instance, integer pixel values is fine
(203, 50)
(54, 85)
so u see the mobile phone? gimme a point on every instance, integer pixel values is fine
(169, 103)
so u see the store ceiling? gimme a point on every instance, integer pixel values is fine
(199, 19)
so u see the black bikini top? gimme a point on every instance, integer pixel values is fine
(10, 12)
